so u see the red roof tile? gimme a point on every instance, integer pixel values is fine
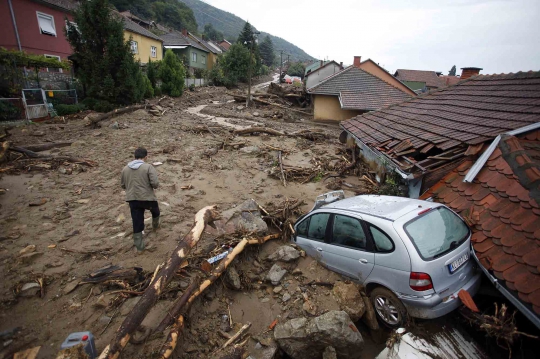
(502, 208)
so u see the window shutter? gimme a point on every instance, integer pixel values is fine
(46, 24)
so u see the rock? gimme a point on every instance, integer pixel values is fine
(28, 249)
(349, 299)
(297, 271)
(286, 297)
(369, 317)
(30, 289)
(121, 218)
(284, 254)
(275, 274)
(239, 108)
(243, 218)
(266, 349)
(278, 289)
(233, 279)
(29, 257)
(114, 125)
(70, 287)
(309, 308)
(329, 353)
(303, 338)
(250, 149)
(265, 300)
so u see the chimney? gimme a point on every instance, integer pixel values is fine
(341, 65)
(356, 62)
(467, 72)
(321, 63)
(184, 32)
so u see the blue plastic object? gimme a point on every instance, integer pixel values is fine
(86, 338)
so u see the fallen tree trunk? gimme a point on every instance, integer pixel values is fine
(134, 319)
(94, 121)
(33, 155)
(178, 305)
(172, 339)
(281, 106)
(46, 146)
(250, 130)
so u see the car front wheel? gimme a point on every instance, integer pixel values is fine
(390, 311)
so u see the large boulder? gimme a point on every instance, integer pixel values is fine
(245, 218)
(350, 299)
(303, 338)
(284, 254)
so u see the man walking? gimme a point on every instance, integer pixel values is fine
(140, 179)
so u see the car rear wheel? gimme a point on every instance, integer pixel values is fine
(390, 311)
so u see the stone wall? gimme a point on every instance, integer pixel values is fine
(50, 80)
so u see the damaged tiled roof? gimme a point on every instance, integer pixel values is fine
(360, 89)
(470, 113)
(502, 207)
(429, 77)
(69, 5)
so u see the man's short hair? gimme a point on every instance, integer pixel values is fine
(140, 153)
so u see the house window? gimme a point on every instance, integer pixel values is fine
(46, 24)
(203, 59)
(194, 57)
(134, 47)
(153, 51)
(52, 69)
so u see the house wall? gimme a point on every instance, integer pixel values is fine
(32, 40)
(143, 44)
(317, 76)
(328, 108)
(375, 70)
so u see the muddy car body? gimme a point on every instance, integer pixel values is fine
(413, 257)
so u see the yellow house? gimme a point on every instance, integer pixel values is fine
(144, 44)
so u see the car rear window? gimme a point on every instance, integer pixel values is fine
(437, 232)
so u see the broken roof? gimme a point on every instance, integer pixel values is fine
(359, 90)
(432, 129)
(429, 77)
(502, 207)
(129, 25)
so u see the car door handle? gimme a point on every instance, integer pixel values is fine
(319, 249)
(363, 261)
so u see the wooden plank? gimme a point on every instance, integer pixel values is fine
(27, 354)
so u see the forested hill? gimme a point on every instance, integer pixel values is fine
(231, 25)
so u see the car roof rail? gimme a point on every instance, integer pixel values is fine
(327, 198)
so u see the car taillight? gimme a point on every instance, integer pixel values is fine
(420, 281)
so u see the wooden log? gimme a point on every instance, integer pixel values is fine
(171, 342)
(178, 305)
(134, 319)
(4, 150)
(251, 130)
(34, 155)
(281, 106)
(119, 111)
(237, 335)
(46, 146)
(281, 169)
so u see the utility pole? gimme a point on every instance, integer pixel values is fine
(248, 99)
(280, 64)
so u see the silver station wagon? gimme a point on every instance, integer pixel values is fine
(413, 257)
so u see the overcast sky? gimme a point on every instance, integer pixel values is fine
(500, 36)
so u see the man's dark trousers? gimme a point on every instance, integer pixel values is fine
(137, 213)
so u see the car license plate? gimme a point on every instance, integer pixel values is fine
(458, 262)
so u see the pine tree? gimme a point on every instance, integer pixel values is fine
(103, 59)
(172, 74)
(246, 36)
(452, 71)
(267, 51)
(235, 64)
(151, 72)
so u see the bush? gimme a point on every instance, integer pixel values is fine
(172, 74)
(192, 87)
(9, 111)
(63, 110)
(148, 89)
(157, 91)
(235, 63)
(152, 71)
(265, 70)
(98, 105)
(215, 76)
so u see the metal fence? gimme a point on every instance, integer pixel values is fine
(61, 97)
(11, 109)
(196, 82)
(35, 103)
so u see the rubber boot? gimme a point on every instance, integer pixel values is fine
(156, 222)
(138, 241)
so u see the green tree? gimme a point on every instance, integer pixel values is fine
(235, 63)
(246, 35)
(452, 71)
(103, 59)
(212, 34)
(152, 72)
(172, 74)
(267, 51)
(296, 69)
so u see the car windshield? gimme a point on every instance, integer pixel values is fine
(437, 232)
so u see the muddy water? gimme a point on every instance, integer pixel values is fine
(223, 121)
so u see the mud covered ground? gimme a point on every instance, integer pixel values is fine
(82, 222)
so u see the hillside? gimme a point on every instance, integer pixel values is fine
(231, 25)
